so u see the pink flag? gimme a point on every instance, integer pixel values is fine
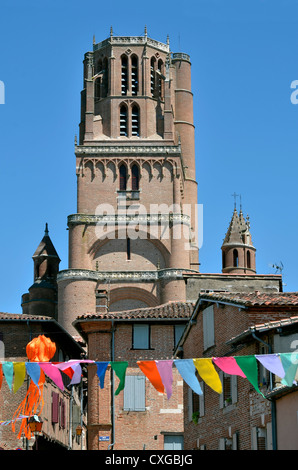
(228, 365)
(51, 371)
(165, 369)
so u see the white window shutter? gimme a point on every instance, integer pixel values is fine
(234, 388)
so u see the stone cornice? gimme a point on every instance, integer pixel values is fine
(130, 41)
(106, 150)
(123, 219)
(123, 276)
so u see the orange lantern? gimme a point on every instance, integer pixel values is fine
(40, 349)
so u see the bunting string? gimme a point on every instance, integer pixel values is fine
(158, 372)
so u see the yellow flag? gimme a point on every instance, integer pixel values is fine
(208, 373)
(19, 369)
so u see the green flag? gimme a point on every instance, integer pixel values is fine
(249, 366)
(120, 370)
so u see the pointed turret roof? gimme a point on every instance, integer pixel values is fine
(237, 229)
(46, 247)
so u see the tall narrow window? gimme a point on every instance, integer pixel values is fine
(123, 121)
(124, 75)
(235, 258)
(135, 121)
(98, 88)
(128, 249)
(135, 177)
(160, 70)
(134, 75)
(123, 178)
(248, 259)
(152, 77)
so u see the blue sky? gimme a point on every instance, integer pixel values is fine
(244, 58)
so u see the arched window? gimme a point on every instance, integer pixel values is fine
(123, 177)
(223, 259)
(134, 75)
(152, 76)
(135, 121)
(97, 91)
(123, 120)
(248, 263)
(235, 258)
(135, 174)
(159, 79)
(124, 75)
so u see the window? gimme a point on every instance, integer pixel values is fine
(160, 82)
(152, 76)
(135, 121)
(229, 394)
(123, 121)
(235, 258)
(135, 178)
(105, 79)
(178, 330)
(124, 75)
(128, 249)
(55, 407)
(196, 404)
(248, 259)
(141, 336)
(123, 178)
(134, 393)
(134, 75)
(208, 327)
(173, 442)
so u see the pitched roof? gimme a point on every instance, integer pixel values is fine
(171, 310)
(23, 317)
(46, 247)
(254, 299)
(265, 327)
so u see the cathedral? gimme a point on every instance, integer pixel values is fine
(133, 273)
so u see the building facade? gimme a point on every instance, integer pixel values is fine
(240, 418)
(134, 232)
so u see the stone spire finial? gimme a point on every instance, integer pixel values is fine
(111, 31)
(145, 32)
(46, 232)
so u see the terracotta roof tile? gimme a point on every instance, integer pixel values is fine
(174, 310)
(254, 299)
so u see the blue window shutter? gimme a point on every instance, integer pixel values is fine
(141, 337)
(139, 393)
(134, 393)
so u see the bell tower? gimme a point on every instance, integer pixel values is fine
(134, 231)
(238, 252)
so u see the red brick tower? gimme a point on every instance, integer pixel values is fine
(238, 252)
(134, 232)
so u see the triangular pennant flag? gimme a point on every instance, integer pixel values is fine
(290, 364)
(33, 369)
(101, 371)
(120, 370)
(7, 368)
(228, 365)
(272, 362)
(149, 368)
(249, 366)
(165, 369)
(187, 370)
(208, 373)
(77, 374)
(53, 373)
(19, 375)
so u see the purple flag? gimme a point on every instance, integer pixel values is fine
(165, 369)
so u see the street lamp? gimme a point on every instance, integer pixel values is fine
(35, 424)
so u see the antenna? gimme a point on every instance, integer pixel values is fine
(278, 268)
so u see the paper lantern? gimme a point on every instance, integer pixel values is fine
(40, 349)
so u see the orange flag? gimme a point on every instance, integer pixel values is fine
(149, 368)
